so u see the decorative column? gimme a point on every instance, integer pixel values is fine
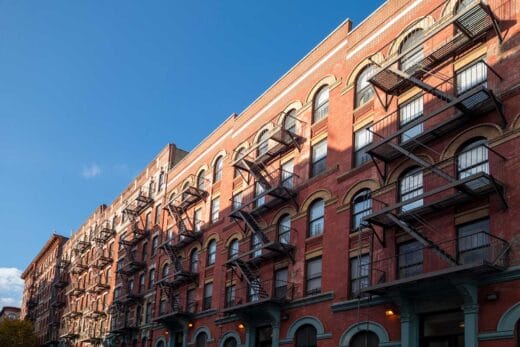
(409, 324)
(276, 334)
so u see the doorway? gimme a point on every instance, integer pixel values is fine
(264, 336)
(445, 329)
(177, 339)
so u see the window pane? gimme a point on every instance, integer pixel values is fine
(473, 159)
(287, 174)
(284, 229)
(411, 186)
(410, 259)
(472, 76)
(321, 104)
(473, 242)
(408, 112)
(410, 61)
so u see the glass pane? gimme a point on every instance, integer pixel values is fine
(407, 113)
(471, 76)
(411, 186)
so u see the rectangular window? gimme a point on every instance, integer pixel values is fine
(287, 174)
(141, 283)
(147, 220)
(158, 214)
(359, 267)
(409, 112)
(319, 158)
(237, 201)
(208, 294)
(155, 245)
(362, 138)
(471, 76)
(259, 194)
(410, 259)
(281, 285)
(230, 296)
(215, 209)
(411, 187)
(473, 242)
(191, 301)
(313, 276)
(197, 219)
(148, 316)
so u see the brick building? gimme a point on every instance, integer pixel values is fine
(9, 312)
(367, 198)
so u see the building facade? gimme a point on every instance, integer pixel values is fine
(367, 198)
(9, 312)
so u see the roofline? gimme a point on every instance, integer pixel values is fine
(44, 249)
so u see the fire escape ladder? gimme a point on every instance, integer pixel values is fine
(421, 238)
(258, 173)
(245, 271)
(252, 224)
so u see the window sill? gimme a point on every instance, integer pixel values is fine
(354, 171)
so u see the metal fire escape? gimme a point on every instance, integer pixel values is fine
(447, 110)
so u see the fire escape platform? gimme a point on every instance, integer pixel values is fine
(478, 101)
(178, 279)
(473, 23)
(182, 240)
(481, 184)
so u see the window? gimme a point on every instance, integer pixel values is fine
(319, 158)
(237, 200)
(215, 209)
(316, 218)
(184, 190)
(160, 186)
(201, 340)
(289, 122)
(194, 260)
(473, 242)
(362, 138)
(361, 207)
(284, 229)
(130, 286)
(148, 312)
(191, 301)
(313, 276)
(151, 278)
(358, 274)
(259, 194)
(208, 293)
(212, 252)
(162, 305)
(364, 90)
(473, 159)
(155, 244)
(321, 104)
(410, 259)
(217, 169)
(230, 342)
(233, 249)
(305, 336)
(147, 220)
(280, 286)
(158, 210)
(145, 251)
(410, 61)
(197, 219)
(230, 296)
(165, 270)
(288, 174)
(201, 180)
(141, 283)
(364, 339)
(263, 143)
(409, 112)
(410, 187)
(471, 76)
(239, 155)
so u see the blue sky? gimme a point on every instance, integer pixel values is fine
(90, 91)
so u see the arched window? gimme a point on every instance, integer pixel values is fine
(284, 229)
(316, 218)
(233, 249)
(321, 104)
(230, 342)
(361, 207)
(412, 56)
(411, 186)
(239, 155)
(473, 158)
(364, 89)
(217, 169)
(160, 184)
(289, 122)
(212, 252)
(263, 143)
(165, 271)
(160, 343)
(151, 278)
(202, 340)
(185, 187)
(305, 336)
(364, 339)
(194, 260)
(201, 180)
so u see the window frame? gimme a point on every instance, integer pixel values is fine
(320, 111)
(361, 197)
(211, 252)
(218, 167)
(317, 220)
(361, 93)
(313, 277)
(360, 154)
(319, 165)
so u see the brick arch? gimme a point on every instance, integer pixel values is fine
(235, 236)
(306, 320)
(214, 236)
(450, 8)
(394, 175)
(355, 328)
(327, 80)
(322, 193)
(291, 211)
(202, 329)
(222, 154)
(267, 127)
(421, 23)
(160, 339)
(230, 334)
(294, 105)
(488, 130)
(515, 124)
(353, 190)
(203, 167)
(377, 58)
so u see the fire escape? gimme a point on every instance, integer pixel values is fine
(189, 230)
(102, 258)
(446, 107)
(268, 189)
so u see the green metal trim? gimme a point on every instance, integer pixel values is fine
(232, 334)
(371, 326)
(315, 322)
(496, 335)
(310, 300)
(508, 275)
(354, 304)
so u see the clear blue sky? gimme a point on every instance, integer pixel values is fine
(90, 91)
